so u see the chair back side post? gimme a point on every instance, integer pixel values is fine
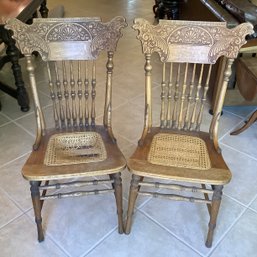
(107, 120)
(40, 121)
(187, 50)
(148, 97)
(218, 107)
(70, 47)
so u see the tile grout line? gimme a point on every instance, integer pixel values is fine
(235, 200)
(14, 201)
(228, 132)
(171, 233)
(47, 235)
(98, 242)
(20, 126)
(227, 231)
(239, 116)
(13, 160)
(247, 207)
(235, 149)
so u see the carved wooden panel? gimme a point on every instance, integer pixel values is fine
(74, 38)
(200, 42)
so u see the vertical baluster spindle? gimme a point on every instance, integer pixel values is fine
(197, 98)
(163, 87)
(169, 97)
(93, 93)
(53, 96)
(86, 84)
(203, 99)
(189, 98)
(176, 96)
(73, 96)
(66, 95)
(59, 95)
(79, 83)
(183, 96)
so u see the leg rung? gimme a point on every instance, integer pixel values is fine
(76, 193)
(175, 197)
(76, 184)
(176, 187)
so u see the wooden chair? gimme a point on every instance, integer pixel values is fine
(246, 79)
(177, 150)
(76, 147)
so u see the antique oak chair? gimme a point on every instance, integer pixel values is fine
(75, 147)
(177, 150)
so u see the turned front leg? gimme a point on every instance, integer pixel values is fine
(216, 200)
(134, 187)
(37, 204)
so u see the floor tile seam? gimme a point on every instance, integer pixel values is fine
(250, 208)
(46, 234)
(238, 115)
(6, 123)
(227, 231)
(241, 152)
(24, 114)
(120, 105)
(107, 235)
(230, 130)
(20, 126)
(7, 117)
(13, 201)
(171, 233)
(31, 112)
(250, 203)
(127, 139)
(12, 220)
(235, 200)
(13, 160)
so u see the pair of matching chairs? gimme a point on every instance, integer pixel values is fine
(77, 148)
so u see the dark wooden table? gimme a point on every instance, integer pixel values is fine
(24, 10)
(166, 9)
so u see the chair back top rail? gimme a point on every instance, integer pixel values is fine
(67, 39)
(200, 42)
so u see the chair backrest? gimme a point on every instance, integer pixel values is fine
(187, 50)
(70, 47)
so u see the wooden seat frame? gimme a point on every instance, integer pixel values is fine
(70, 47)
(191, 47)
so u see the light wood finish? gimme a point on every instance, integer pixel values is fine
(70, 48)
(187, 51)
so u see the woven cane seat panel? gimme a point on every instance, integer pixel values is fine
(75, 148)
(179, 151)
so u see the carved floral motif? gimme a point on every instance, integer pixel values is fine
(35, 37)
(215, 36)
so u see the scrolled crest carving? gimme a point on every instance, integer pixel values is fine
(38, 36)
(27, 37)
(213, 37)
(70, 32)
(107, 35)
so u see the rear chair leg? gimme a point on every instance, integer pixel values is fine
(118, 196)
(134, 188)
(216, 200)
(37, 205)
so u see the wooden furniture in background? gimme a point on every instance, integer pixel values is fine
(178, 150)
(76, 147)
(24, 10)
(246, 78)
(166, 9)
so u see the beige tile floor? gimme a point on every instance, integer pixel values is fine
(87, 226)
